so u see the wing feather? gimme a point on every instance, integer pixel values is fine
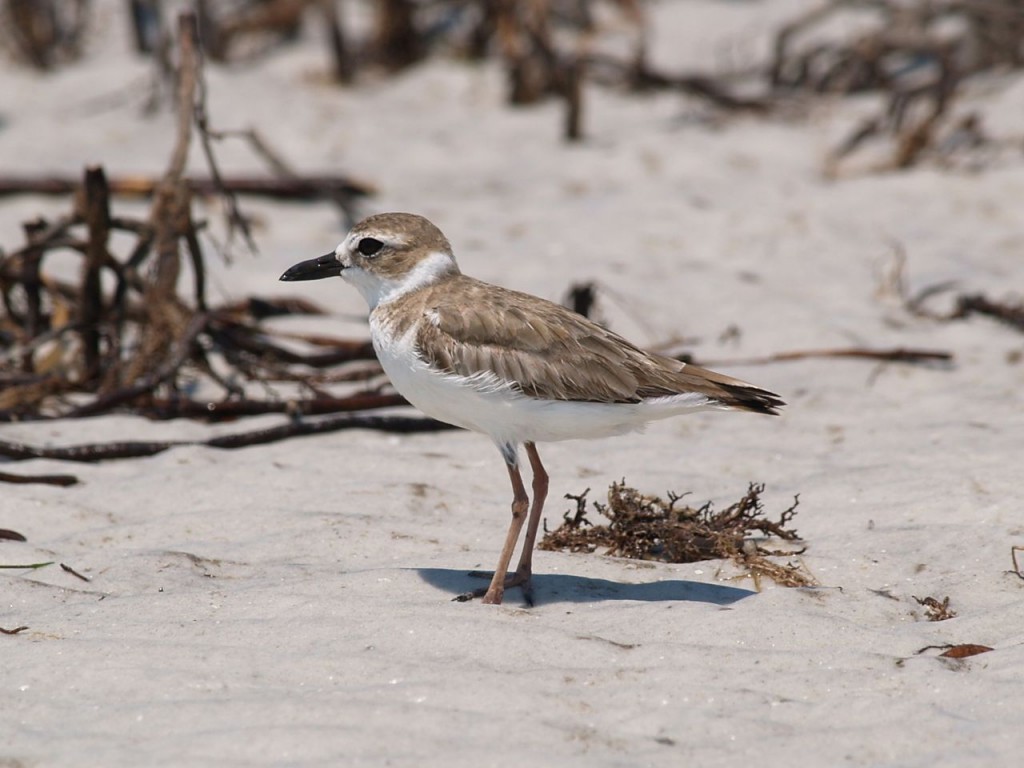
(550, 352)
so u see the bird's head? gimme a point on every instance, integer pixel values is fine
(384, 256)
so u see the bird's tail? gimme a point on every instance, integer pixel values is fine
(750, 398)
(731, 393)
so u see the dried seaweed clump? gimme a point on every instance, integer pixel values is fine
(936, 610)
(647, 527)
(920, 56)
(123, 337)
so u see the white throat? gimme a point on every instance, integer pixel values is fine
(379, 290)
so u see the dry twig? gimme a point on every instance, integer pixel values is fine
(897, 355)
(138, 449)
(71, 350)
(60, 480)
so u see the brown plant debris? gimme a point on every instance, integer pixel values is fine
(647, 527)
(964, 305)
(906, 355)
(132, 449)
(68, 569)
(917, 56)
(935, 610)
(123, 337)
(1013, 556)
(44, 33)
(963, 650)
(977, 304)
(60, 480)
(958, 651)
(292, 188)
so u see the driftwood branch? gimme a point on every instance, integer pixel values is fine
(74, 350)
(97, 219)
(897, 355)
(59, 480)
(236, 221)
(292, 188)
(93, 452)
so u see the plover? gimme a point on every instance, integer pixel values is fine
(515, 367)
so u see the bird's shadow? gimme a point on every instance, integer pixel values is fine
(563, 588)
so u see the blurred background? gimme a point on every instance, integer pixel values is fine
(163, 161)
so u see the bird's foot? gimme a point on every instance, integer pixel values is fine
(493, 596)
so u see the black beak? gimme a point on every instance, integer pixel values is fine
(314, 269)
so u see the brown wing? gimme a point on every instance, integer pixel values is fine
(553, 353)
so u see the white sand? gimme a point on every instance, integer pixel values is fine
(290, 604)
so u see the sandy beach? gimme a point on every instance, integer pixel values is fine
(291, 604)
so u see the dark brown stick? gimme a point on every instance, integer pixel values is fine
(228, 410)
(30, 283)
(126, 450)
(1011, 315)
(87, 453)
(573, 74)
(344, 67)
(61, 480)
(396, 42)
(397, 424)
(90, 307)
(195, 253)
(73, 572)
(298, 188)
(898, 355)
(147, 24)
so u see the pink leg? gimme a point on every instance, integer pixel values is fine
(540, 491)
(519, 503)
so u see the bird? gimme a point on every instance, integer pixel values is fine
(515, 367)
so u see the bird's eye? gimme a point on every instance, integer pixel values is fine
(369, 246)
